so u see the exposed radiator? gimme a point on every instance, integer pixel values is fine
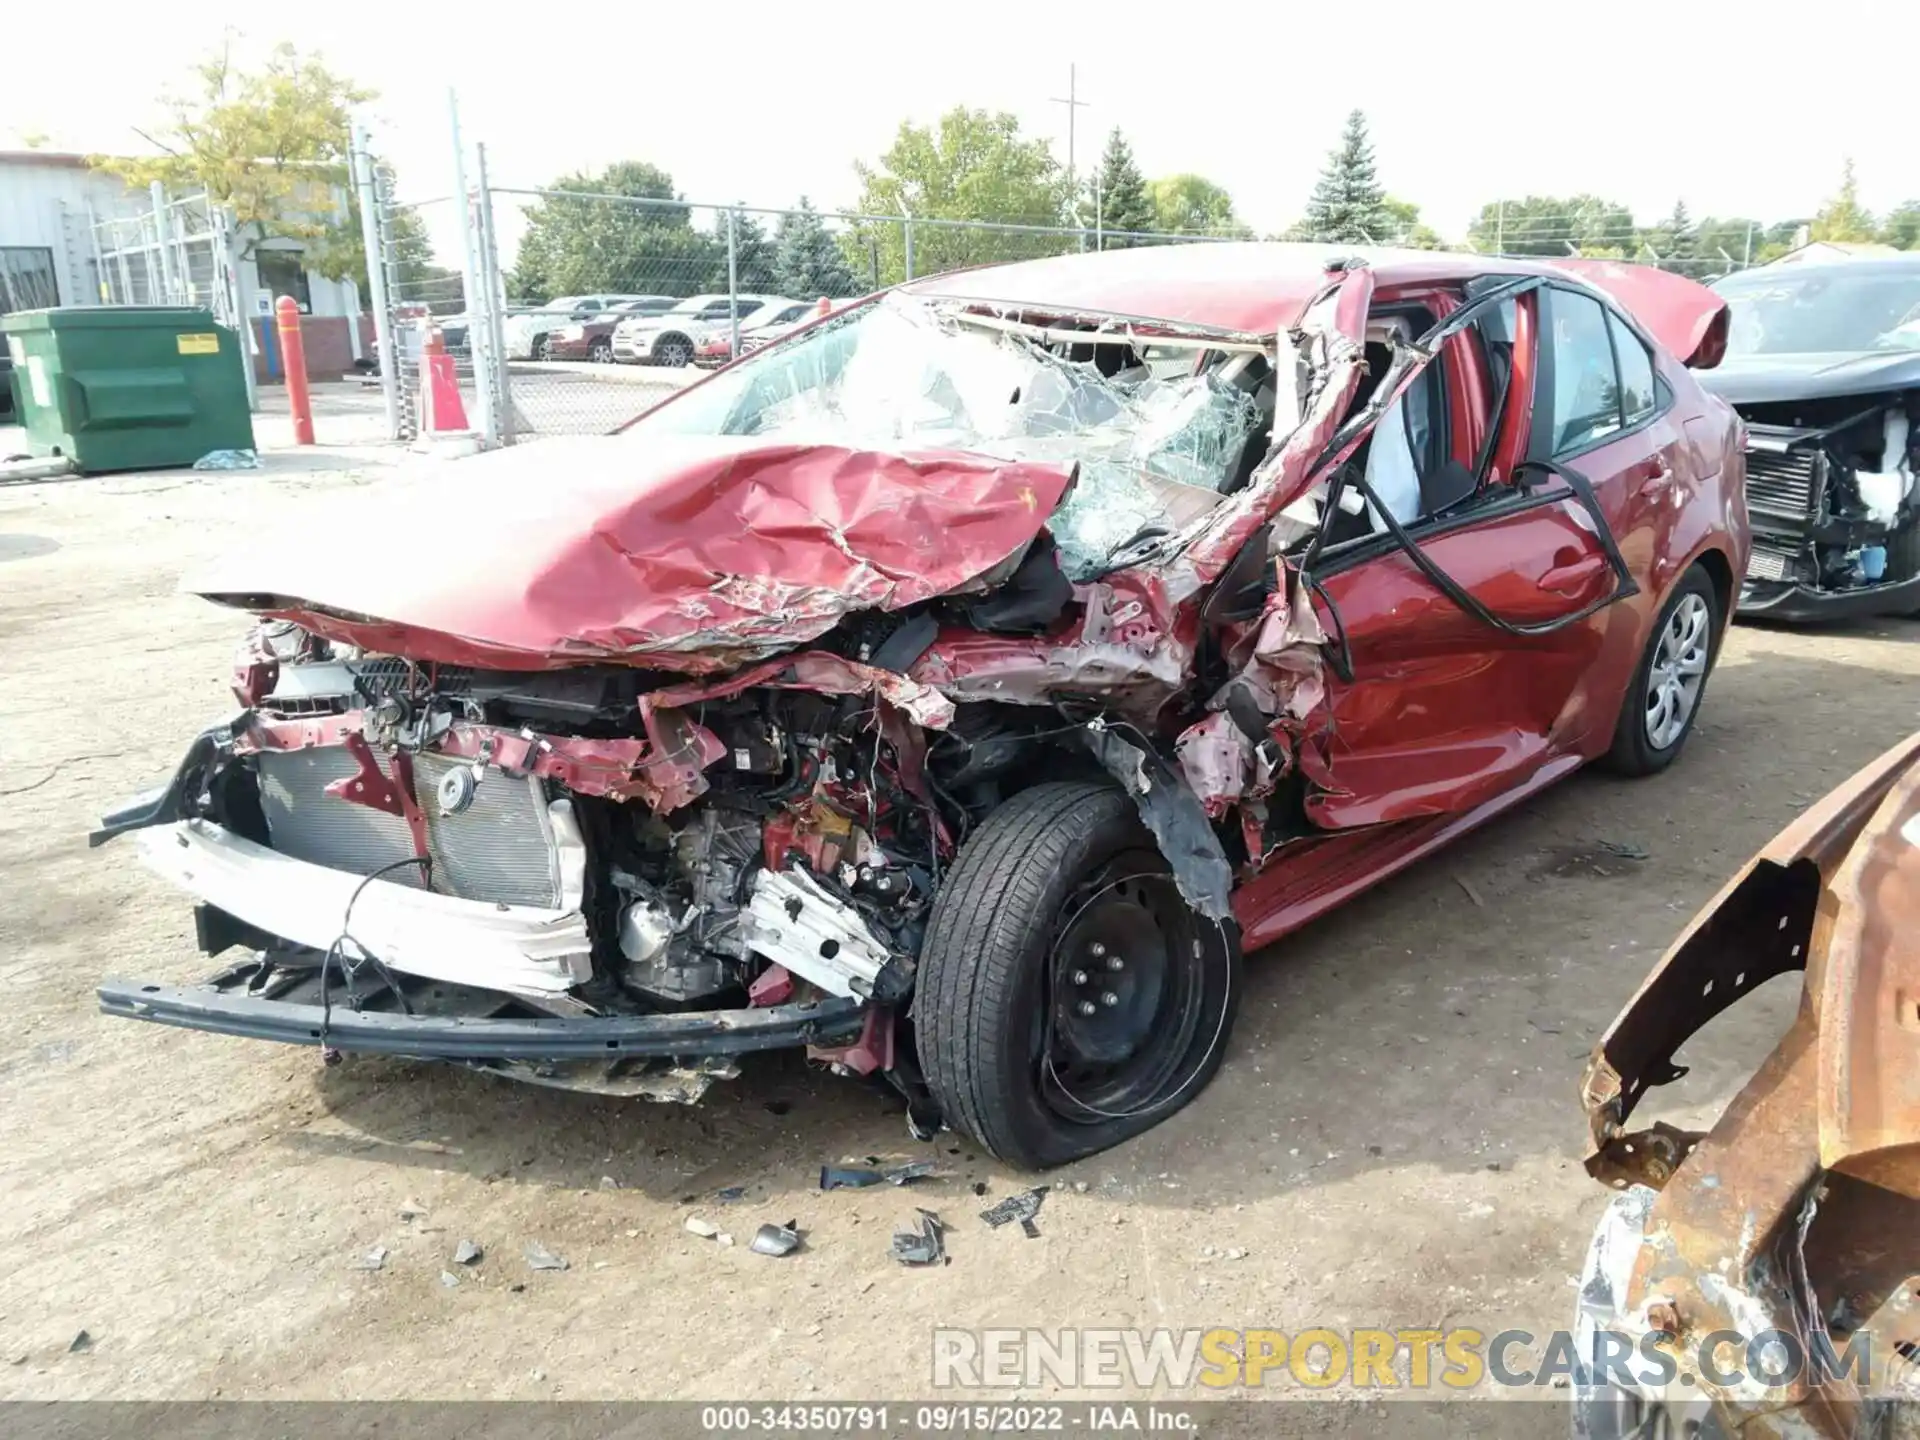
(500, 849)
(1783, 485)
(1767, 563)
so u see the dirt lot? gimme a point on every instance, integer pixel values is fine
(1394, 1139)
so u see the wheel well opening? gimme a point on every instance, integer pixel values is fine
(1719, 570)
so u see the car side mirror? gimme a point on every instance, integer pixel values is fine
(1243, 587)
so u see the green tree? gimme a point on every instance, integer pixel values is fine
(1348, 205)
(1901, 228)
(754, 256)
(1733, 239)
(1120, 192)
(1406, 228)
(1548, 224)
(1843, 217)
(270, 142)
(620, 230)
(807, 260)
(970, 165)
(1673, 239)
(1193, 205)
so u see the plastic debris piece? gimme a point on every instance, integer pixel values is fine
(908, 1173)
(372, 1259)
(412, 1210)
(833, 1177)
(80, 1342)
(730, 1194)
(725, 1239)
(228, 460)
(771, 1239)
(925, 1246)
(705, 1229)
(467, 1253)
(450, 1280)
(1021, 1208)
(541, 1258)
(1626, 849)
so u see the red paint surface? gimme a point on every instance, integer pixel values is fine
(293, 354)
(692, 556)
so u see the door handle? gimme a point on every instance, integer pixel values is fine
(1571, 578)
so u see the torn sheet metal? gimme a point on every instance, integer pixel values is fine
(793, 921)
(1170, 810)
(1796, 1212)
(679, 552)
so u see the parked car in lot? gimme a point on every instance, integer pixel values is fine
(1823, 363)
(957, 688)
(592, 338)
(527, 331)
(674, 337)
(716, 348)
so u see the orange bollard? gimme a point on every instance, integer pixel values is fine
(826, 306)
(293, 357)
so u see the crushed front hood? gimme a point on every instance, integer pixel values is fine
(682, 553)
(1761, 379)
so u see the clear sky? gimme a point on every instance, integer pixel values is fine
(1737, 108)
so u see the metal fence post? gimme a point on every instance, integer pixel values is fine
(496, 299)
(733, 282)
(473, 280)
(360, 162)
(227, 237)
(163, 234)
(906, 230)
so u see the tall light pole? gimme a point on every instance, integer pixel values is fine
(1074, 103)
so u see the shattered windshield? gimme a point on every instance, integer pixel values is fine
(1774, 312)
(1159, 433)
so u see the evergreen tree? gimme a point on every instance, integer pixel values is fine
(1121, 193)
(1674, 237)
(807, 261)
(754, 256)
(1348, 203)
(1843, 217)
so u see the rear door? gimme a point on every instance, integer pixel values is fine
(1473, 640)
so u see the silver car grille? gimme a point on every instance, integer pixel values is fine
(499, 849)
(1783, 485)
(1768, 562)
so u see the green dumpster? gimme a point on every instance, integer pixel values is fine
(129, 387)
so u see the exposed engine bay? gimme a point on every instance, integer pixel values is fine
(1830, 491)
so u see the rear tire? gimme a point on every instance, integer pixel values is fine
(542, 350)
(1646, 738)
(600, 352)
(675, 350)
(1067, 998)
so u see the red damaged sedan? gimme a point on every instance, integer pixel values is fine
(957, 687)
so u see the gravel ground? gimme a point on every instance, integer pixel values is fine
(1394, 1140)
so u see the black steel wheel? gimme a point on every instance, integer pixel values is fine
(1068, 997)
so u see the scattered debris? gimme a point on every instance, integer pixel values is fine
(833, 1177)
(1022, 1207)
(1626, 849)
(17, 1359)
(412, 1210)
(730, 1194)
(81, 1342)
(1080, 1187)
(1472, 894)
(771, 1239)
(541, 1258)
(467, 1253)
(1374, 1150)
(723, 1238)
(373, 1259)
(450, 1280)
(228, 460)
(1236, 1253)
(607, 1182)
(925, 1246)
(517, 1288)
(1493, 1164)
(979, 1187)
(705, 1229)
(906, 1174)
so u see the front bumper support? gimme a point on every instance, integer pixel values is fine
(831, 1021)
(1801, 605)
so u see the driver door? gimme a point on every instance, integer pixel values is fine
(1471, 639)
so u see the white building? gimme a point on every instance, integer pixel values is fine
(50, 254)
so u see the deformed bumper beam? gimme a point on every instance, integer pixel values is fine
(468, 1038)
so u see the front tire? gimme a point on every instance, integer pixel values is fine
(1663, 700)
(674, 350)
(601, 352)
(1068, 999)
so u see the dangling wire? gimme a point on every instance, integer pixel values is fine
(350, 966)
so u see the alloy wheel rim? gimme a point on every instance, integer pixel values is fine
(1678, 671)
